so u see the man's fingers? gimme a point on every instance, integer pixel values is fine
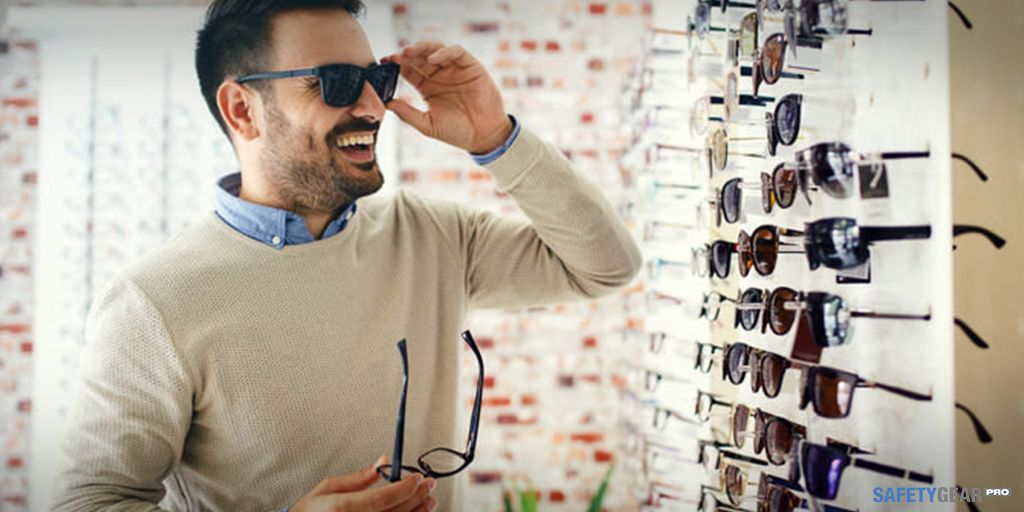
(419, 499)
(410, 114)
(449, 55)
(350, 482)
(421, 48)
(386, 497)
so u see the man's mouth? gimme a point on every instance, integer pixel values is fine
(357, 147)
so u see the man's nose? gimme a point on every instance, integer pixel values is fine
(369, 105)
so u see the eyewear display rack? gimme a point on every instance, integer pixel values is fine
(871, 76)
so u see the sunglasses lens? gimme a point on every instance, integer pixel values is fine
(781, 500)
(702, 19)
(767, 194)
(730, 200)
(341, 84)
(835, 243)
(732, 95)
(720, 150)
(780, 441)
(699, 261)
(781, 318)
(773, 368)
(743, 250)
(831, 167)
(734, 484)
(748, 34)
(787, 119)
(773, 141)
(443, 461)
(721, 253)
(823, 469)
(737, 360)
(784, 181)
(766, 250)
(699, 116)
(384, 80)
(830, 318)
(748, 317)
(833, 392)
(739, 425)
(759, 421)
(773, 58)
(834, 17)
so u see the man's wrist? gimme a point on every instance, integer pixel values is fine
(496, 139)
(498, 148)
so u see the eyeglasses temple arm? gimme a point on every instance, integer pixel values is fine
(977, 170)
(886, 469)
(474, 420)
(888, 316)
(883, 233)
(963, 229)
(960, 14)
(913, 395)
(979, 429)
(900, 155)
(396, 454)
(971, 335)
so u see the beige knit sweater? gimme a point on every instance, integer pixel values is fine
(223, 374)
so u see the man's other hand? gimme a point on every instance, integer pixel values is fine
(352, 492)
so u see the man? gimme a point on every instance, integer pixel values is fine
(253, 357)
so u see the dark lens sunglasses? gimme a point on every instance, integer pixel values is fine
(823, 466)
(342, 84)
(766, 369)
(779, 495)
(439, 462)
(761, 248)
(839, 243)
(831, 391)
(769, 65)
(783, 125)
(773, 435)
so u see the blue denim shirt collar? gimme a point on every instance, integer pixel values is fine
(272, 226)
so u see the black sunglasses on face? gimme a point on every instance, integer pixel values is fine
(439, 462)
(342, 84)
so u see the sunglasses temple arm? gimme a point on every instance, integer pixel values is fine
(902, 155)
(971, 335)
(884, 233)
(888, 316)
(960, 14)
(886, 469)
(963, 229)
(979, 428)
(974, 167)
(896, 390)
(396, 454)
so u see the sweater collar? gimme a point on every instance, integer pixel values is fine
(272, 226)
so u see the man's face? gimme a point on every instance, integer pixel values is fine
(307, 154)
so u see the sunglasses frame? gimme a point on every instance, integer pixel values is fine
(388, 82)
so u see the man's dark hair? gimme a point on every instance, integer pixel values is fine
(236, 40)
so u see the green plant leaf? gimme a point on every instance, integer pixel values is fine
(598, 499)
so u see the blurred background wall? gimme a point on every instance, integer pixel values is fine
(987, 113)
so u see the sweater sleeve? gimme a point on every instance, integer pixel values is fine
(131, 409)
(573, 246)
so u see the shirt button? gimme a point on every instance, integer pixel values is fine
(276, 240)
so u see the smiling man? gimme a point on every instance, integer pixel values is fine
(250, 363)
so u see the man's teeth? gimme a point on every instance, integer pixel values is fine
(353, 140)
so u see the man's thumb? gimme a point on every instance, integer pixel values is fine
(410, 114)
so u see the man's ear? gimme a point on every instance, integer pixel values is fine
(238, 107)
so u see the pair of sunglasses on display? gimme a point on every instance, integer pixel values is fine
(829, 390)
(833, 169)
(835, 242)
(773, 435)
(342, 84)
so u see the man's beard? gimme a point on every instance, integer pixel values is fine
(307, 179)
